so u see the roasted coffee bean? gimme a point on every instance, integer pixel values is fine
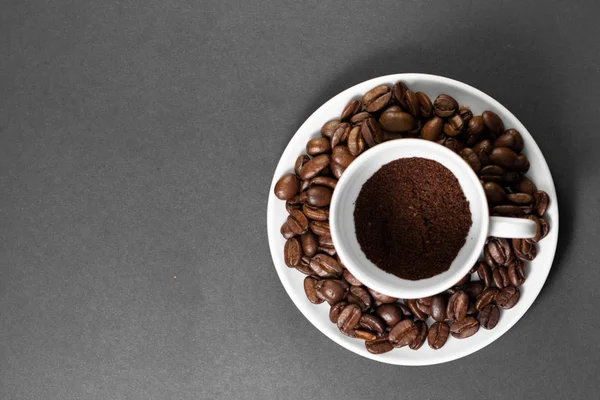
(500, 250)
(545, 227)
(503, 156)
(379, 346)
(516, 273)
(412, 103)
(511, 178)
(473, 289)
(313, 167)
(464, 280)
(521, 163)
(310, 289)
(326, 266)
(325, 241)
(297, 222)
(372, 323)
(318, 196)
(309, 244)
(421, 335)
(466, 114)
(425, 105)
(403, 333)
(475, 130)
(464, 328)
(438, 335)
(524, 250)
(329, 127)
(486, 297)
(330, 290)
(287, 186)
(361, 297)
(500, 277)
(526, 186)
(444, 106)
(494, 193)
(348, 318)
(511, 139)
(416, 311)
(489, 316)
(351, 279)
(357, 119)
(337, 170)
(320, 228)
(351, 108)
(391, 314)
(376, 98)
(318, 145)
(492, 173)
(538, 229)
(315, 213)
(398, 93)
(286, 231)
(394, 119)
(508, 297)
(541, 202)
(489, 260)
(304, 266)
(292, 252)
(371, 132)
(432, 130)
(438, 307)
(300, 161)
(520, 198)
(382, 298)
(424, 304)
(509, 210)
(323, 181)
(356, 143)
(457, 306)
(455, 125)
(471, 158)
(483, 150)
(454, 144)
(365, 335)
(493, 123)
(336, 310)
(341, 155)
(485, 274)
(340, 135)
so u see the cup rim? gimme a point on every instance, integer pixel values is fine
(398, 287)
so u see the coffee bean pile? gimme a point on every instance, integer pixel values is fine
(492, 151)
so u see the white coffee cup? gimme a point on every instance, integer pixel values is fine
(341, 219)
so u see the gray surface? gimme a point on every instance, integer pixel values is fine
(138, 141)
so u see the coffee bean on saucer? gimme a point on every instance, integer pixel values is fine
(493, 123)
(464, 328)
(438, 335)
(489, 316)
(379, 346)
(444, 106)
(508, 297)
(351, 109)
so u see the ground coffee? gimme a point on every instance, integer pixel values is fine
(412, 218)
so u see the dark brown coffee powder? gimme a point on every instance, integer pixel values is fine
(412, 218)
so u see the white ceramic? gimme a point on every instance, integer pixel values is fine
(341, 219)
(537, 270)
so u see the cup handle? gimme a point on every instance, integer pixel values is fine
(518, 228)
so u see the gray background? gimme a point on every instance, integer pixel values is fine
(138, 140)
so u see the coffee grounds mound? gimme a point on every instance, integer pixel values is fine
(412, 218)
